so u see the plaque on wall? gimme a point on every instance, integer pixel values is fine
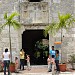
(57, 45)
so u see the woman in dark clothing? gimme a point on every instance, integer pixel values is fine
(57, 60)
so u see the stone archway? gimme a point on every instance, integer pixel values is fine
(29, 38)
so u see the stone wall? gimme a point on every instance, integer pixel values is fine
(67, 46)
(32, 13)
(9, 6)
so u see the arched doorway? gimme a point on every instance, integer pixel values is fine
(29, 39)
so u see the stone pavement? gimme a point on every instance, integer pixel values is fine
(39, 70)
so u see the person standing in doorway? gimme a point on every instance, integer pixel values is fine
(28, 62)
(22, 59)
(51, 52)
(6, 60)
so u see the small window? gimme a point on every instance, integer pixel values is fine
(34, 0)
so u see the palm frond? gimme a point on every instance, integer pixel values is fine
(5, 15)
(14, 14)
(50, 28)
(2, 26)
(16, 24)
(65, 21)
(46, 30)
(70, 22)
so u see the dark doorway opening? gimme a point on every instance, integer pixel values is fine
(29, 39)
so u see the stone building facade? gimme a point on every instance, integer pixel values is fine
(35, 16)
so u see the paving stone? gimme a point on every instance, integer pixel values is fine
(39, 71)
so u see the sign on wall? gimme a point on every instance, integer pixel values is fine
(57, 45)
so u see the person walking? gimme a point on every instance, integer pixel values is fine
(6, 60)
(22, 59)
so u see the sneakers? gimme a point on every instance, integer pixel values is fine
(57, 71)
(16, 71)
(49, 70)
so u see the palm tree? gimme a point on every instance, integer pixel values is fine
(10, 21)
(65, 22)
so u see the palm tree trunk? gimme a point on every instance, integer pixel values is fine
(10, 44)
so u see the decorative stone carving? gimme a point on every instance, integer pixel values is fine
(34, 12)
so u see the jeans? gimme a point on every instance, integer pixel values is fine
(6, 65)
(57, 65)
(50, 67)
(22, 63)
